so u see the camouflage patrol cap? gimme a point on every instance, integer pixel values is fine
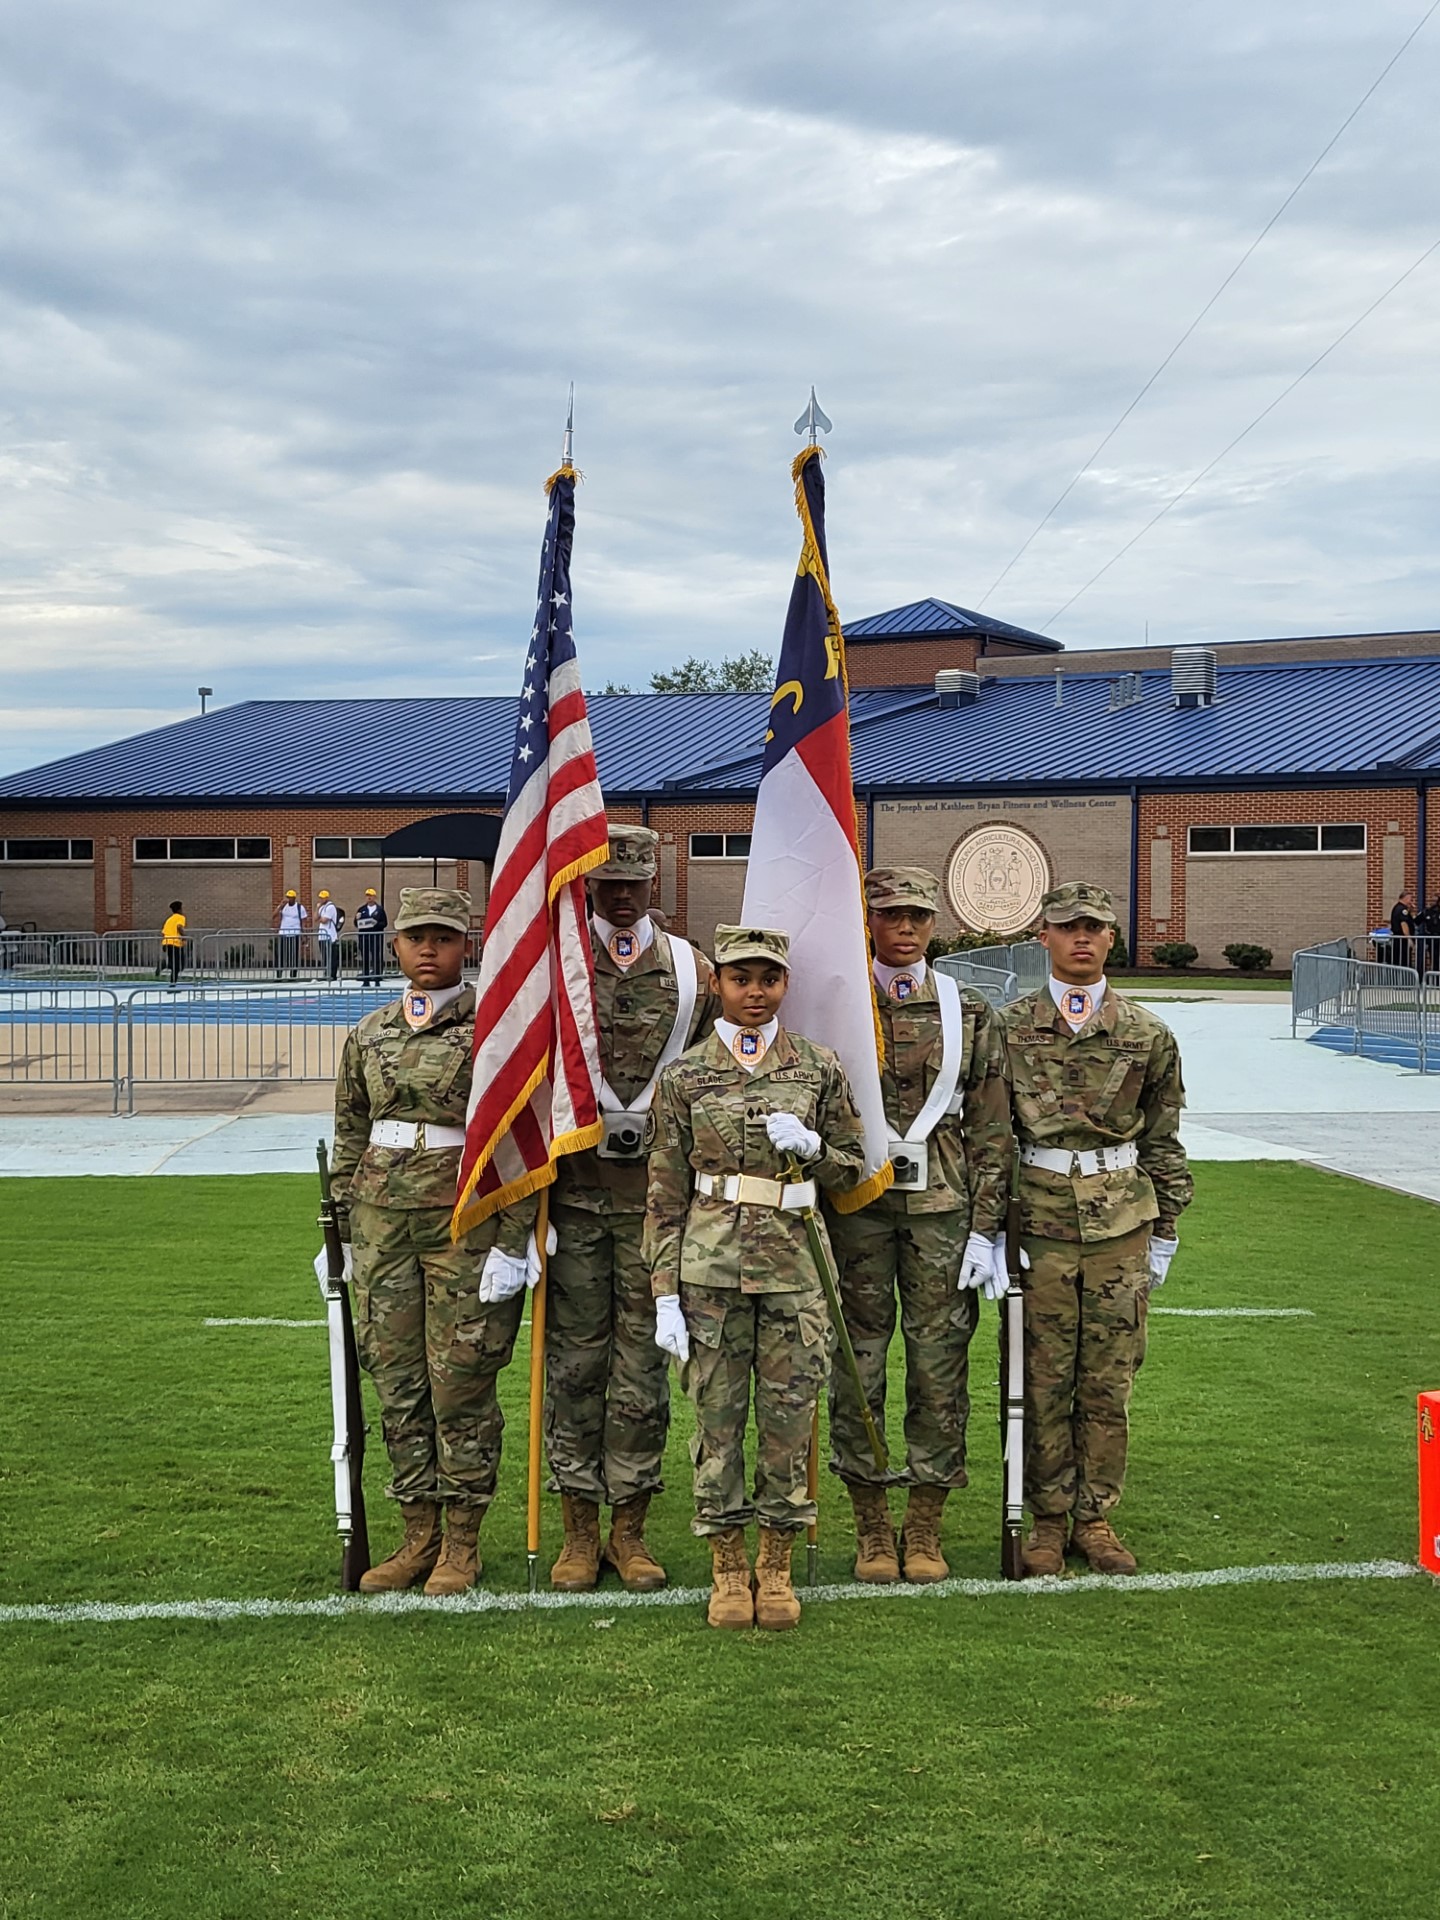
(1078, 900)
(632, 854)
(733, 944)
(901, 887)
(433, 907)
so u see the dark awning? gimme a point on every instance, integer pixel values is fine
(445, 836)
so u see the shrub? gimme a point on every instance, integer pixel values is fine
(1119, 953)
(1175, 953)
(1248, 958)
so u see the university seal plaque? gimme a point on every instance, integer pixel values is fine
(995, 878)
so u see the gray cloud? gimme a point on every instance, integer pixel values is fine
(289, 300)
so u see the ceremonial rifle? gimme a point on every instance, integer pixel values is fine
(347, 1448)
(829, 1280)
(1012, 1405)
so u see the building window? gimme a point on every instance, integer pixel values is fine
(719, 846)
(47, 850)
(1278, 839)
(197, 847)
(339, 846)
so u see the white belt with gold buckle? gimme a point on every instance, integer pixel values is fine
(1077, 1160)
(424, 1135)
(749, 1190)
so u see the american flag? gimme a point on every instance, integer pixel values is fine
(537, 1056)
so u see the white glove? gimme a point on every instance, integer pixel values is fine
(671, 1333)
(790, 1135)
(532, 1256)
(996, 1283)
(322, 1266)
(1161, 1253)
(975, 1267)
(503, 1276)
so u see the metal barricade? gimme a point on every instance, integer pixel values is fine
(60, 1036)
(50, 956)
(1382, 1009)
(999, 987)
(222, 1034)
(1320, 984)
(1387, 1008)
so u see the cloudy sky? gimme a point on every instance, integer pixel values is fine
(290, 296)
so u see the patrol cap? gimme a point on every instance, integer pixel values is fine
(751, 943)
(433, 907)
(902, 887)
(632, 854)
(1078, 900)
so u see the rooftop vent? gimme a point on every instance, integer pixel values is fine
(1192, 676)
(1125, 691)
(954, 687)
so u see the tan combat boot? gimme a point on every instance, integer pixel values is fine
(1044, 1550)
(626, 1551)
(731, 1602)
(920, 1536)
(775, 1603)
(578, 1567)
(1102, 1547)
(416, 1555)
(876, 1560)
(459, 1565)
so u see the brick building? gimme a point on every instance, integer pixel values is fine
(1275, 791)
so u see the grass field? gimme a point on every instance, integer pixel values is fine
(1230, 1750)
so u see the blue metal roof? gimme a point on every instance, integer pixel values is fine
(456, 748)
(1309, 721)
(929, 617)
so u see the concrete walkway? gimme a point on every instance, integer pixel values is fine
(1254, 1094)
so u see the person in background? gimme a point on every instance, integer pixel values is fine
(327, 935)
(292, 917)
(370, 923)
(1402, 930)
(172, 942)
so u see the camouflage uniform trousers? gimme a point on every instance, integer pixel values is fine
(1085, 1308)
(432, 1350)
(784, 1340)
(881, 1250)
(607, 1393)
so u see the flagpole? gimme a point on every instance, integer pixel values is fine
(812, 1493)
(537, 1393)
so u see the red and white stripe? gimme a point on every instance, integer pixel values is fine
(537, 1056)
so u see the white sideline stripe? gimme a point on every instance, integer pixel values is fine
(1239, 1313)
(109, 1613)
(263, 1322)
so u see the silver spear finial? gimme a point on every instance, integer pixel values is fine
(565, 457)
(813, 420)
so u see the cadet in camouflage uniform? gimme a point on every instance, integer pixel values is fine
(1103, 1179)
(607, 1396)
(430, 1346)
(736, 1291)
(934, 1244)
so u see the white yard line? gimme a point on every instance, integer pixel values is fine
(264, 1323)
(1238, 1313)
(108, 1613)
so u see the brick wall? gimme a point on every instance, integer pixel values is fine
(1281, 901)
(908, 663)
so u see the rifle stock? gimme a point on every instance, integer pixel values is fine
(347, 1449)
(1012, 1406)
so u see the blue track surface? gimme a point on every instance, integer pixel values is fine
(324, 1007)
(1389, 1049)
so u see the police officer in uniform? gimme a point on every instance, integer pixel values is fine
(435, 1322)
(931, 1237)
(607, 1399)
(1103, 1179)
(752, 1122)
(371, 921)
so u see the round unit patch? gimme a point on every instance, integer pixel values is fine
(996, 878)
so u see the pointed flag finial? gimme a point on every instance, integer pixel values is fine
(565, 457)
(813, 420)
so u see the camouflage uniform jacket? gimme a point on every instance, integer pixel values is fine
(972, 1153)
(390, 1072)
(1117, 1081)
(634, 1010)
(710, 1118)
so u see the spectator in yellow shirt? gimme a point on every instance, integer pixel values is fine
(172, 941)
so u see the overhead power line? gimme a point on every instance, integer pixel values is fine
(1095, 453)
(1285, 392)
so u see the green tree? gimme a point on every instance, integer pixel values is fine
(750, 672)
